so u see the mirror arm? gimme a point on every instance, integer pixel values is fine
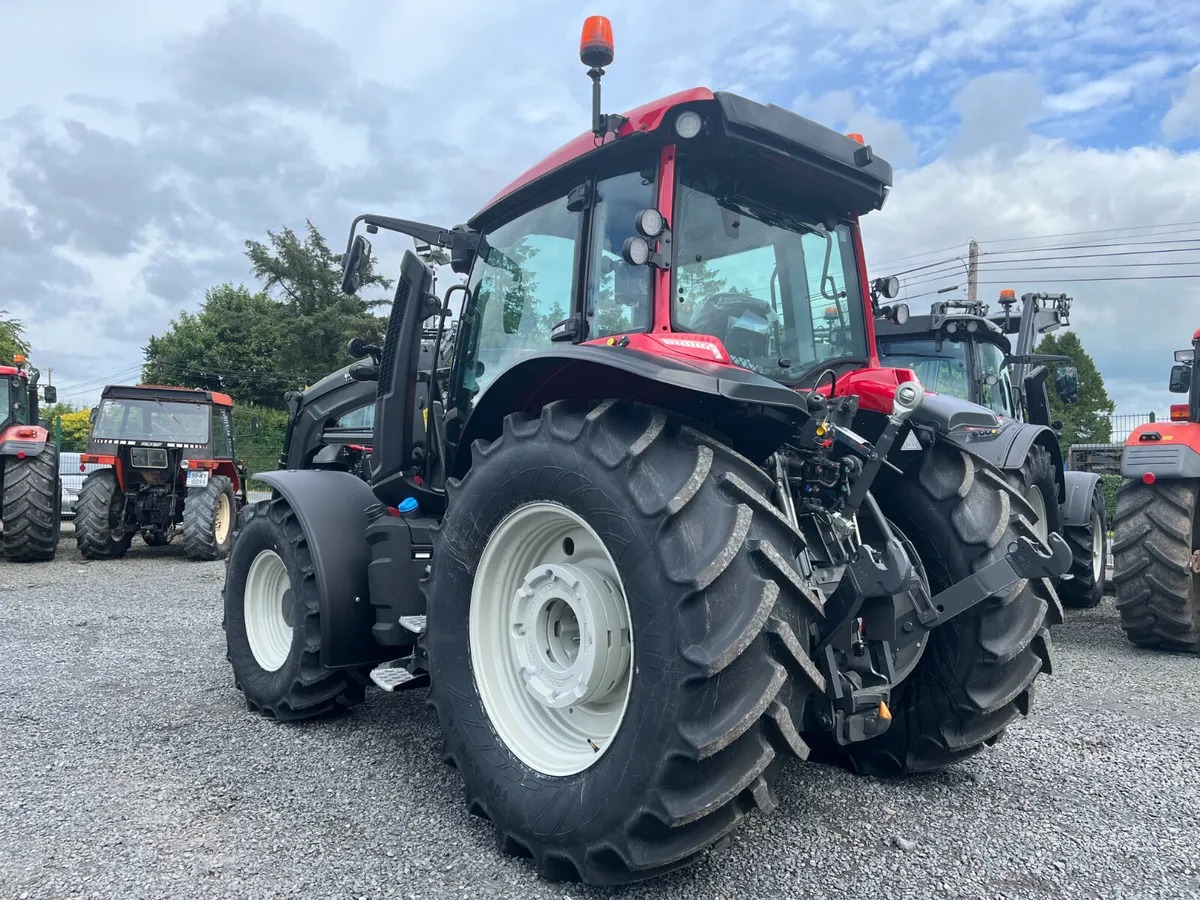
(429, 234)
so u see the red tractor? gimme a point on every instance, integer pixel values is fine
(30, 493)
(1156, 547)
(670, 524)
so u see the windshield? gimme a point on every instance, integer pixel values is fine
(153, 420)
(943, 371)
(780, 291)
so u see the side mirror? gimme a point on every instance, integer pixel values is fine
(1066, 383)
(94, 414)
(1181, 379)
(355, 265)
(1185, 355)
(50, 393)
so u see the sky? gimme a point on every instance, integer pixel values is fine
(143, 143)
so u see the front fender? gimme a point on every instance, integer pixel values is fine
(1080, 488)
(332, 510)
(753, 413)
(29, 440)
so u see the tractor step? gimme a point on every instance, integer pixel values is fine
(415, 624)
(396, 676)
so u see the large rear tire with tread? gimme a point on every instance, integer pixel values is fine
(31, 507)
(977, 673)
(1089, 552)
(272, 621)
(718, 618)
(209, 516)
(1036, 483)
(99, 529)
(1156, 554)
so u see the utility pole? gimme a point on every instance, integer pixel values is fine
(973, 271)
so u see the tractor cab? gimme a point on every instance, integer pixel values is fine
(1185, 379)
(19, 395)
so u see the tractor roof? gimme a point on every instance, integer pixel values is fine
(926, 327)
(819, 159)
(9, 370)
(164, 392)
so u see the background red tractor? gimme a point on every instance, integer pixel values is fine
(169, 466)
(30, 494)
(1156, 546)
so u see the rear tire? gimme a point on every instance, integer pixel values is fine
(99, 527)
(31, 507)
(718, 617)
(279, 671)
(1155, 556)
(209, 515)
(1089, 551)
(976, 674)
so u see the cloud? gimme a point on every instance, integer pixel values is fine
(996, 110)
(1183, 118)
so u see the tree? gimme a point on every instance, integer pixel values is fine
(1087, 420)
(255, 346)
(230, 345)
(318, 319)
(12, 338)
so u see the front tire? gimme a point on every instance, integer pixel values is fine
(1156, 556)
(1089, 552)
(99, 524)
(976, 674)
(704, 569)
(273, 621)
(209, 514)
(31, 506)
(1035, 481)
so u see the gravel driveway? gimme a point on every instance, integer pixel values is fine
(131, 768)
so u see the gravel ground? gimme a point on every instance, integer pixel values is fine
(131, 768)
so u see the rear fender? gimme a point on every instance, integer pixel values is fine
(26, 440)
(754, 414)
(1007, 443)
(1080, 487)
(1163, 450)
(332, 509)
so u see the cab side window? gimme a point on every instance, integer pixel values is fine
(995, 386)
(222, 433)
(619, 295)
(522, 286)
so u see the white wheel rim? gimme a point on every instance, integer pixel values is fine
(1097, 548)
(221, 526)
(550, 639)
(268, 632)
(1038, 502)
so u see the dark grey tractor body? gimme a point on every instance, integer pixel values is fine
(958, 349)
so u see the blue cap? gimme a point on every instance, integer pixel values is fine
(408, 504)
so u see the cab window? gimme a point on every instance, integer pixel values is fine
(521, 287)
(994, 383)
(619, 295)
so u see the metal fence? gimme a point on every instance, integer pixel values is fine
(1123, 424)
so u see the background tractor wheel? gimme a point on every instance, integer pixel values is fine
(209, 515)
(31, 507)
(99, 528)
(617, 636)
(1037, 486)
(273, 621)
(1156, 556)
(1089, 549)
(976, 674)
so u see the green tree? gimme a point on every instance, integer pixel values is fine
(1087, 420)
(230, 345)
(76, 430)
(255, 346)
(12, 338)
(318, 319)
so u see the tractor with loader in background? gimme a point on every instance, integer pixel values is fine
(1156, 545)
(30, 491)
(961, 350)
(659, 534)
(168, 466)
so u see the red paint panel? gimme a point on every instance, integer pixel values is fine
(1174, 434)
(24, 433)
(875, 388)
(666, 206)
(714, 352)
(644, 118)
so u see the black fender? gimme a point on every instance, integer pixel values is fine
(751, 412)
(1080, 487)
(1009, 447)
(332, 510)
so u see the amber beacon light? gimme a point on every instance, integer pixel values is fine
(596, 43)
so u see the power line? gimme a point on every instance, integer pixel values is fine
(1081, 280)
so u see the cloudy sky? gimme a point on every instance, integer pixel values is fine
(143, 142)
